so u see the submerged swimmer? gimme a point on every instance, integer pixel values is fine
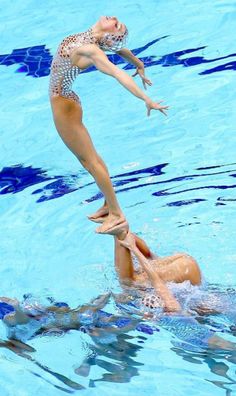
(27, 319)
(152, 306)
(76, 53)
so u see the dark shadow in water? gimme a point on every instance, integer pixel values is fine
(217, 187)
(226, 66)
(120, 366)
(16, 178)
(186, 202)
(36, 61)
(116, 356)
(112, 349)
(168, 192)
(22, 350)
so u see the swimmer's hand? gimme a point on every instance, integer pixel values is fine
(129, 241)
(141, 72)
(155, 106)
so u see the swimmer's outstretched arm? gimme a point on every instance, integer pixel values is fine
(126, 54)
(171, 304)
(99, 59)
(16, 317)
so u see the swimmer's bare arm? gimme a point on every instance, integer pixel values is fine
(123, 261)
(126, 54)
(17, 317)
(171, 304)
(102, 63)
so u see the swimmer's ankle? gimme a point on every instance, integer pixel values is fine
(117, 214)
(122, 235)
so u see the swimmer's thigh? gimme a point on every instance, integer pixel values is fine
(67, 116)
(180, 269)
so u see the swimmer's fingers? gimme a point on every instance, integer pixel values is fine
(125, 244)
(145, 81)
(161, 108)
(156, 106)
(135, 74)
(163, 111)
(129, 241)
(140, 71)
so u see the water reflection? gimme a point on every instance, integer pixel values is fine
(215, 361)
(120, 366)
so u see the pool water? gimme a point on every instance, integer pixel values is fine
(175, 178)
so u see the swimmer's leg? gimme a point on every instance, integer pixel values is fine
(178, 268)
(19, 348)
(216, 342)
(143, 247)
(116, 358)
(16, 317)
(68, 120)
(16, 346)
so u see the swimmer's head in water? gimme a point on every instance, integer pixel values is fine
(115, 34)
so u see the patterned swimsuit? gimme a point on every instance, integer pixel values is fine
(63, 72)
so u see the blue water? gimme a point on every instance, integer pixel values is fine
(175, 178)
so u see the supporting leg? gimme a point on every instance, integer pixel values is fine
(68, 121)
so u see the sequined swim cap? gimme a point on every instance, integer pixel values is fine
(152, 301)
(113, 42)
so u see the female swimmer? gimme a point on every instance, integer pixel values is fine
(76, 53)
(152, 269)
(155, 271)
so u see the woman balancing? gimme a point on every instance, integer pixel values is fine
(76, 53)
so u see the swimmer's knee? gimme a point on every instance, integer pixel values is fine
(194, 270)
(190, 268)
(91, 165)
(185, 256)
(179, 255)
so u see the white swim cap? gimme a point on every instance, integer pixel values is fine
(113, 42)
(152, 301)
